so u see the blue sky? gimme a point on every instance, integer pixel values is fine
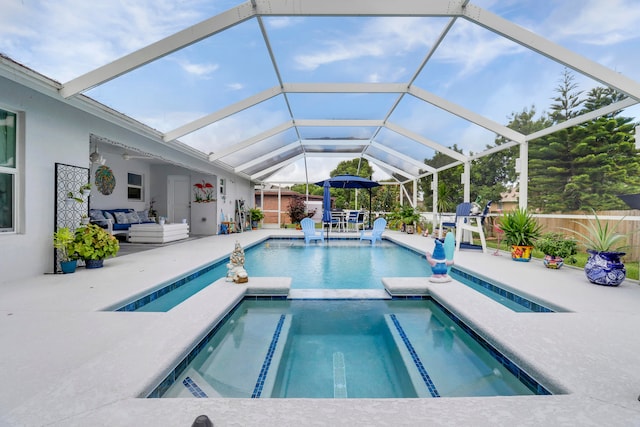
(473, 67)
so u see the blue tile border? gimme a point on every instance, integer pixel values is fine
(416, 359)
(170, 379)
(135, 305)
(525, 378)
(193, 387)
(518, 372)
(524, 302)
(257, 391)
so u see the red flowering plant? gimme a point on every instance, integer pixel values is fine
(203, 192)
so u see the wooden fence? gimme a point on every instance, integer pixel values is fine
(629, 224)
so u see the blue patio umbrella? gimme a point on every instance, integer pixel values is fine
(351, 181)
(326, 206)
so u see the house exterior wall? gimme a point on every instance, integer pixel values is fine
(58, 131)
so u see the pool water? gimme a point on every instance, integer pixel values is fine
(344, 264)
(342, 349)
(341, 264)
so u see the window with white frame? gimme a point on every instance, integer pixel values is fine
(135, 188)
(8, 171)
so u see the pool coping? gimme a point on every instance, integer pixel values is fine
(95, 378)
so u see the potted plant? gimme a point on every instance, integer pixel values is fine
(557, 248)
(85, 189)
(520, 232)
(409, 217)
(256, 215)
(603, 243)
(63, 241)
(71, 198)
(93, 244)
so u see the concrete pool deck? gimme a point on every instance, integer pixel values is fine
(64, 361)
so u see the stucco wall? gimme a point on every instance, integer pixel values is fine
(57, 132)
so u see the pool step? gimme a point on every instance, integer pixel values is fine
(338, 294)
(339, 376)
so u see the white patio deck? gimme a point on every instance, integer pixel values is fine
(63, 362)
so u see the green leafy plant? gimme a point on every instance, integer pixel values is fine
(63, 241)
(256, 214)
(409, 215)
(72, 196)
(93, 242)
(558, 245)
(520, 228)
(601, 236)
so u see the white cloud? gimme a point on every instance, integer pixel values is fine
(473, 48)
(200, 70)
(596, 22)
(379, 38)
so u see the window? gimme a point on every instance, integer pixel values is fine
(134, 186)
(8, 171)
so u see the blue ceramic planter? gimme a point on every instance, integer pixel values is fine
(68, 267)
(605, 268)
(94, 263)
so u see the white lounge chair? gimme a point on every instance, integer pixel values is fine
(376, 233)
(309, 230)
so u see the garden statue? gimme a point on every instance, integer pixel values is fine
(440, 262)
(235, 267)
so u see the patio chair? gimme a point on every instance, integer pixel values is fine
(309, 230)
(462, 210)
(471, 224)
(338, 220)
(376, 233)
(355, 220)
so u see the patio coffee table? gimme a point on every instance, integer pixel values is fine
(156, 233)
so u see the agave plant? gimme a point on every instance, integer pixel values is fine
(601, 236)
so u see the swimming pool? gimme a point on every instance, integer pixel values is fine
(341, 264)
(344, 349)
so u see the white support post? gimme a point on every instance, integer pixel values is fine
(434, 189)
(524, 175)
(466, 182)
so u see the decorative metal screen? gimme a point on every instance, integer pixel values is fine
(69, 211)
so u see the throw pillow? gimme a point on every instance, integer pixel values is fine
(108, 215)
(144, 216)
(121, 217)
(133, 218)
(96, 215)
